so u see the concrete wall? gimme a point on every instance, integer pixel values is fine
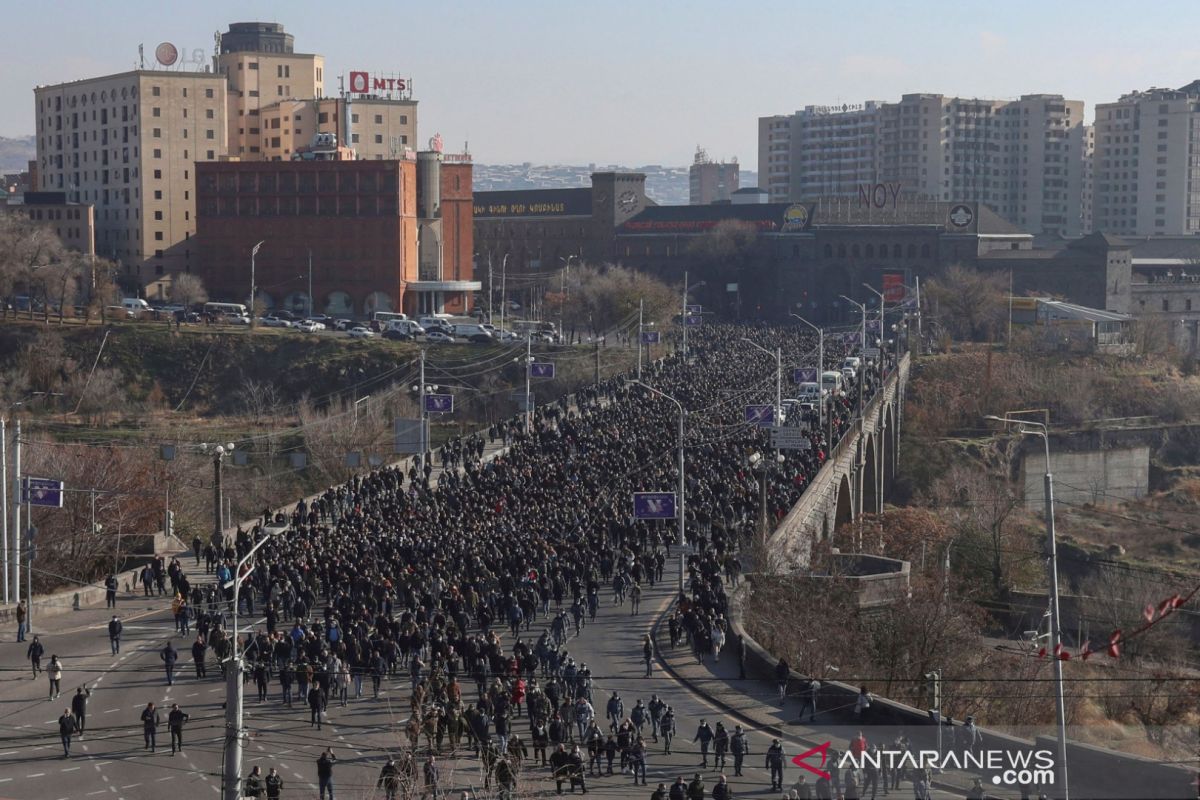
(1088, 476)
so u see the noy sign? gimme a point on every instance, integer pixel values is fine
(366, 83)
(878, 195)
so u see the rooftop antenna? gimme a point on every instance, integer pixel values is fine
(141, 57)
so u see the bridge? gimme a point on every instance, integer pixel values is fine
(853, 479)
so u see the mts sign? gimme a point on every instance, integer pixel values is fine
(365, 83)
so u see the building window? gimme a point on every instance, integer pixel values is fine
(208, 93)
(404, 119)
(158, 215)
(158, 174)
(1166, 304)
(156, 133)
(354, 138)
(208, 113)
(158, 194)
(156, 112)
(379, 138)
(354, 117)
(209, 134)
(828, 251)
(156, 90)
(158, 236)
(253, 65)
(379, 119)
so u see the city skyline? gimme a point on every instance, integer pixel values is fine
(560, 66)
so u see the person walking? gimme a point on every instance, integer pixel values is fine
(740, 749)
(114, 634)
(862, 705)
(169, 656)
(110, 591)
(22, 617)
(34, 653)
(695, 789)
(66, 729)
(667, 728)
(325, 773)
(637, 760)
(433, 776)
(647, 652)
(175, 722)
(274, 784)
(389, 779)
(252, 786)
(314, 706)
(722, 791)
(782, 671)
(704, 735)
(54, 672)
(150, 722)
(774, 763)
(79, 707)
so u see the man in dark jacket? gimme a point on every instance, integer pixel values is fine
(175, 721)
(274, 783)
(79, 707)
(66, 729)
(169, 656)
(150, 722)
(325, 773)
(114, 633)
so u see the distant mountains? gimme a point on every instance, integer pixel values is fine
(667, 186)
(15, 154)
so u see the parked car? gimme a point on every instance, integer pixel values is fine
(276, 321)
(231, 319)
(343, 324)
(438, 337)
(361, 332)
(480, 338)
(397, 335)
(308, 326)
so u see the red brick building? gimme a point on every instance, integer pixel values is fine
(366, 234)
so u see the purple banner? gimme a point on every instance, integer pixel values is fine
(761, 415)
(804, 375)
(439, 403)
(693, 321)
(541, 370)
(654, 505)
(649, 337)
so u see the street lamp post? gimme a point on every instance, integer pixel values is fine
(681, 506)
(503, 289)
(1030, 428)
(820, 368)
(777, 419)
(253, 254)
(232, 778)
(863, 310)
(641, 327)
(881, 329)
(218, 453)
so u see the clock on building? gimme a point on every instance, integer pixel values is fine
(627, 201)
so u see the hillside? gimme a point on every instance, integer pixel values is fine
(15, 154)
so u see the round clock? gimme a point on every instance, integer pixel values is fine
(627, 201)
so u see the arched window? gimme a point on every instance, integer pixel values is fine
(883, 251)
(912, 251)
(869, 251)
(925, 250)
(854, 250)
(841, 251)
(829, 251)
(896, 251)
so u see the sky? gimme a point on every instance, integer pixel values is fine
(632, 82)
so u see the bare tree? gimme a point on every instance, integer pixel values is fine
(971, 304)
(188, 290)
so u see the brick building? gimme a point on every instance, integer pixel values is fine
(383, 235)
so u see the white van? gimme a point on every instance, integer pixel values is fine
(407, 326)
(832, 382)
(434, 320)
(466, 330)
(809, 391)
(135, 306)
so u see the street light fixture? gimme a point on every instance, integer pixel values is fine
(777, 418)
(863, 310)
(820, 367)
(681, 506)
(218, 453)
(1030, 428)
(881, 332)
(253, 254)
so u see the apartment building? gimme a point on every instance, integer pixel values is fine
(1024, 158)
(711, 181)
(1146, 169)
(380, 128)
(260, 65)
(127, 144)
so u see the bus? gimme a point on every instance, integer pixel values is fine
(384, 317)
(226, 309)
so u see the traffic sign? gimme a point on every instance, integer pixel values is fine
(804, 375)
(695, 309)
(693, 320)
(539, 369)
(654, 505)
(760, 415)
(524, 402)
(439, 403)
(871, 352)
(790, 438)
(649, 337)
(42, 492)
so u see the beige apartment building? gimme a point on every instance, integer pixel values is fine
(711, 181)
(259, 62)
(1146, 164)
(381, 128)
(126, 144)
(1024, 158)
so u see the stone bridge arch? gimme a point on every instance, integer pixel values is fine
(869, 476)
(843, 503)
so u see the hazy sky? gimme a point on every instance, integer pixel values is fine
(636, 82)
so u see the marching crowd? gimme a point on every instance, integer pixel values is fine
(470, 587)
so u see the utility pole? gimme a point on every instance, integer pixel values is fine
(918, 279)
(491, 288)
(16, 514)
(639, 341)
(310, 294)
(424, 419)
(4, 505)
(683, 318)
(253, 254)
(503, 289)
(528, 369)
(597, 344)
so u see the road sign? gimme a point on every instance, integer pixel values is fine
(649, 337)
(790, 438)
(439, 403)
(524, 402)
(871, 352)
(654, 505)
(804, 375)
(407, 435)
(760, 415)
(42, 492)
(872, 326)
(693, 320)
(541, 369)
(695, 309)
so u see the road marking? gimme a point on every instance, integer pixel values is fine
(112, 711)
(36, 775)
(9, 753)
(101, 791)
(131, 786)
(168, 778)
(68, 769)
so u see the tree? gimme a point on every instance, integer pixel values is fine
(26, 248)
(607, 297)
(723, 255)
(188, 290)
(970, 304)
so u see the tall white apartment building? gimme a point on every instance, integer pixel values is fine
(1024, 158)
(1146, 164)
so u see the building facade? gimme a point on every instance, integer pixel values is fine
(73, 223)
(380, 128)
(127, 144)
(261, 68)
(359, 232)
(711, 181)
(1146, 167)
(1023, 158)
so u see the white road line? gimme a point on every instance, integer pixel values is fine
(112, 711)
(101, 791)
(68, 769)
(168, 778)
(36, 775)
(131, 786)
(9, 753)
(5, 780)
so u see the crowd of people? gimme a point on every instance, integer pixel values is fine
(470, 587)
